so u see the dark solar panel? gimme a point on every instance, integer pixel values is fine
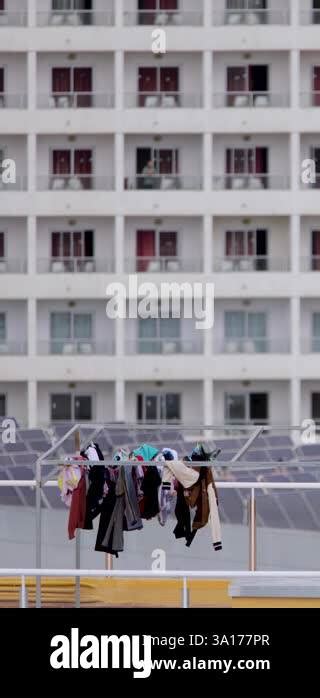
(281, 454)
(33, 435)
(278, 441)
(253, 456)
(40, 446)
(18, 447)
(232, 505)
(5, 461)
(308, 451)
(269, 511)
(28, 459)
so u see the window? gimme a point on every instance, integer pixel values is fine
(315, 250)
(316, 332)
(248, 243)
(3, 331)
(72, 80)
(3, 406)
(248, 329)
(247, 161)
(246, 407)
(149, 9)
(76, 163)
(164, 80)
(315, 406)
(155, 333)
(2, 245)
(315, 155)
(164, 407)
(72, 244)
(155, 243)
(316, 11)
(248, 78)
(68, 328)
(69, 407)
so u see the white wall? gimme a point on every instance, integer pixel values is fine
(278, 398)
(15, 230)
(15, 72)
(102, 403)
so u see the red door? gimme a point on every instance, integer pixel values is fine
(61, 81)
(83, 166)
(61, 162)
(146, 247)
(82, 83)
(316, 86)
(147, 83)
(169, 81)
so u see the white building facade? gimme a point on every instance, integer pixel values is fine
(229, 118)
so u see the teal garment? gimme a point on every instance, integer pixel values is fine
(146, 451)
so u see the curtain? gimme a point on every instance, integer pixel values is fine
(145, 247)
(228, 243)
(167, 244)
(169, 79)
(60, 331)
(169, 5)
(2, 251)
(83, 166)
(77, 239)
(236, 81)
(316, 86)
(2, 327)
(1, 79)
(147, 83)
(260, 158)
(257, 330)
(316, 250)
(55, 244)
(82, 326)
(82, 82)
(61, 80)
(61, 162)
(165, 161)
(60, 5)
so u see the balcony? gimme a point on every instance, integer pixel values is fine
(251, 263)
(76, 100)
(80, 18)
(162, 100)
(310, 345)
(13, 100)
(164, 346)
(13, 19)
(250, 17)
(74, 347)
(8, 348)
(245, 100)
(74, 182)
(251, 182)
(311, 263)
(252, 345)
(165, 182)
(20, 184)
(167, 265)
(160, 18)
(309, 17)
(75, 265)
(12, 266)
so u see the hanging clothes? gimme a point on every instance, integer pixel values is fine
(124, 515)
(77, 514)
(98, 484)
(68, 480)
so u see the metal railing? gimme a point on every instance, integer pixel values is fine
(251, 17)
(8, 348)
(76, 100)
(74, 182)
(164, 182)
(73, 347)
(20, 184)
(12, 266)
(253, 345)
(163, 100)
(164, 347)
(253, 182)
(311, 263)
(250, 99)
(169, 265)
(249, 263)
(13, 19)
(75, 265)
(13, 100)
(174, 18)
(75, 18)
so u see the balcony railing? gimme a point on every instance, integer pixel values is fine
(252, 345)
(164, 346)
(73, 347)
(251, 263)
(13, 100)
(76, 100)
(310, 345)
(75, 265)
(13, 19)
(250, 99)
(169, 265)
(253, 182)
(74, 182)
(12, 266)
(185, 18)
(77, 18)
(165, 182)
(8, 348)
(311, 16)
(310, 99)
(310, 263)
(252, 17)
(163, 100)
(20, 184)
